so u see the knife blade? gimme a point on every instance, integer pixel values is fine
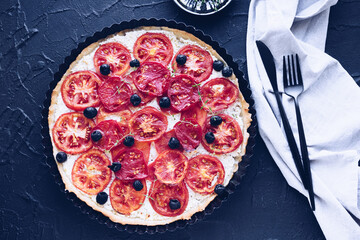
(269, 64)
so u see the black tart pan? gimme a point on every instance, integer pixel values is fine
(46, 141)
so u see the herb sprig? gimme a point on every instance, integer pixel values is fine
(204, 103)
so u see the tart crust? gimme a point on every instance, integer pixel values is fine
(115, 217)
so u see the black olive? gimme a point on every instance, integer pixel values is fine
(135, 100)
(209, 137)
(227, 71)
(96, 135)
(90, 112)
(218, 65)
(61, 157)
(105, 69)
(181, 59)
(174, 143)
(101, 198)
(134, 63)
(138, 185)
(215, 120)
(174, 204)
(164, 102)
(129, 141)
(220, 189)
(115, 166)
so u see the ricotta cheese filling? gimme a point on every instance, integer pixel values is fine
(146, 212)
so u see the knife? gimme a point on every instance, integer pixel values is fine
(268, 61)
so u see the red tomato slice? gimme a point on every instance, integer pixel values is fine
(80, 90)
(144, 147)
(148, 124)
(133, 165)
(145, 97)
(114, 54)
(122, 116)
(199, 63)
(162, 144)
(151, 78)
(196, 112)
(90, 172)
(161, 194)
(170, 167)
(189, 134)
(228, 135)
(115, 94)
(153, 47)
(204, 173)
(112, 134)
(183, 92)
(151, 172)
(218, 94)
(71, 133)
(124, 198)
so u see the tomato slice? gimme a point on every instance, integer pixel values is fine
(115, 94)
(161, 194)
(228, 135)
(151, 78)
(148, 124)
(162, 144)
(144, 147)
(199, 63)
(112, 134)
(218, 94)
(90, 172)
(170, 167)
(114, 54)
(133, 165)
(153, 47)
(151, 172)
(204, 173)
(124, 198)
(189, 134)
(197, 112)
(183, 92)
(145, 97)
(122, 116)
(80, 90)
(71, 133)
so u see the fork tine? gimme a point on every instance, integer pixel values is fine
(294, 70)
(298, 70)
(285, 79)
(290, 77)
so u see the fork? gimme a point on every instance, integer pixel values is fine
(293, 87)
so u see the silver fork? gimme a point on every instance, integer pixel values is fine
(293, 87)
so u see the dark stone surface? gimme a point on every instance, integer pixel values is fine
(35, 37)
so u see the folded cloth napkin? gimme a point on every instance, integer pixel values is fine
(330, 108)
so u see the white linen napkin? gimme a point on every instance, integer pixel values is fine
(330, 108)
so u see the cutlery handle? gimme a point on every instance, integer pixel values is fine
(291, 140)
(304, 154)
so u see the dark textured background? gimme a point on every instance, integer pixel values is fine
(35, 37)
